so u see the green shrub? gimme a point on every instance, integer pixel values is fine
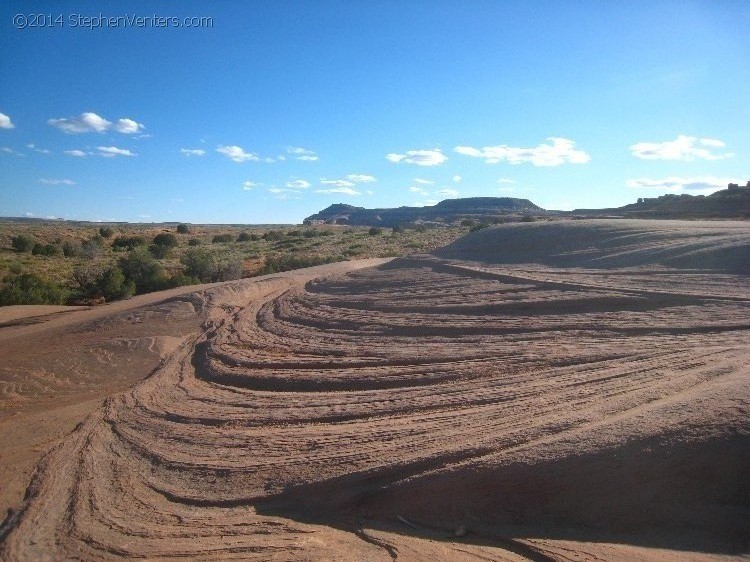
(375, 231)
(273, 235)
(140, 267)
(467, 222)
(106, 232)
(194, 242)
(222, 239)
(166, 239)
(398, 229)
(45, 250)
(71, 248)
(22, 243)
(203, 266)
(244, 237)
(93, 247)
(286, 262)
(112, 285)
(182, 229)
(158, 251)
(29, 288)
(480, 226)
(128, 242)
(528, 218)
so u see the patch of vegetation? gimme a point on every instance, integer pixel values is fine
(182, 229)
(22, 243)
(106, 232)
(222, 239)
(30, 288)
(128, 242)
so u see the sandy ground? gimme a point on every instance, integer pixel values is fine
(553, 391)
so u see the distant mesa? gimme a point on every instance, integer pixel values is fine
(448, 211)
(730, 203)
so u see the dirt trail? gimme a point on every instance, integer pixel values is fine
(452, 406)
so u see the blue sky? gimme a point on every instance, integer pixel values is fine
(279, 108)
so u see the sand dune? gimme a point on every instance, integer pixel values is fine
(546, 391)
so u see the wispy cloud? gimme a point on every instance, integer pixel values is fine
(192, 151)
(361, 178)
(298, 184)
(433, 157)
(682, 148)
(340, 190)
(92, 123)
(506, 181)
(10, 151)
(56, 182)
(249, 185)
(700, 185)
(417, 189)
(77, 153)
(236, 153)
(448, 192)
(303, 154)
(423, 182)
(5, 122)
(555, 152)
(113, 151)
(35, 148)
(337, 183)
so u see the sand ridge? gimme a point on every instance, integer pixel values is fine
(589, 405)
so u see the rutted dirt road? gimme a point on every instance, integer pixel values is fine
(573, 391)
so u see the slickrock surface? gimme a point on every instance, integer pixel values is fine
(545, 391)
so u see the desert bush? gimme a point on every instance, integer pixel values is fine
(398, 229)
(294, 233)
(421, 228)
(93, 247)
(182, 229)
(45, 250)
(128, 242)
(112, 285)
(286, 262)
(480, 226)
(71, 248)
(106, 232)
(22, 243)
(166, 239)
(244, 237)
(29, 288)
(205, 267)
(375, 231)
(467, 222)
(194, 242)
(158, 251)
(222, 239)
(140, 267)
(273, 235)
(528, 218)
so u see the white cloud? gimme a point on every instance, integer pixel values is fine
(433, 157)
(128, 126)
(423, 182)
(447, 192)
(556, 152)
(10, 151)
(682, 148)
(249, 185)
(192, 151)
(361, 178)
(5, 122)
(298, 184)
(112, 151)
(700, 185)
(84, 123)
(57, 182)
(236, 153)
(337, 183)
(342, 190)
(505, 180)
(456, 179)
(39, 150)
(415, 189)
(78, 153)
(280, 190)
(302, 153)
